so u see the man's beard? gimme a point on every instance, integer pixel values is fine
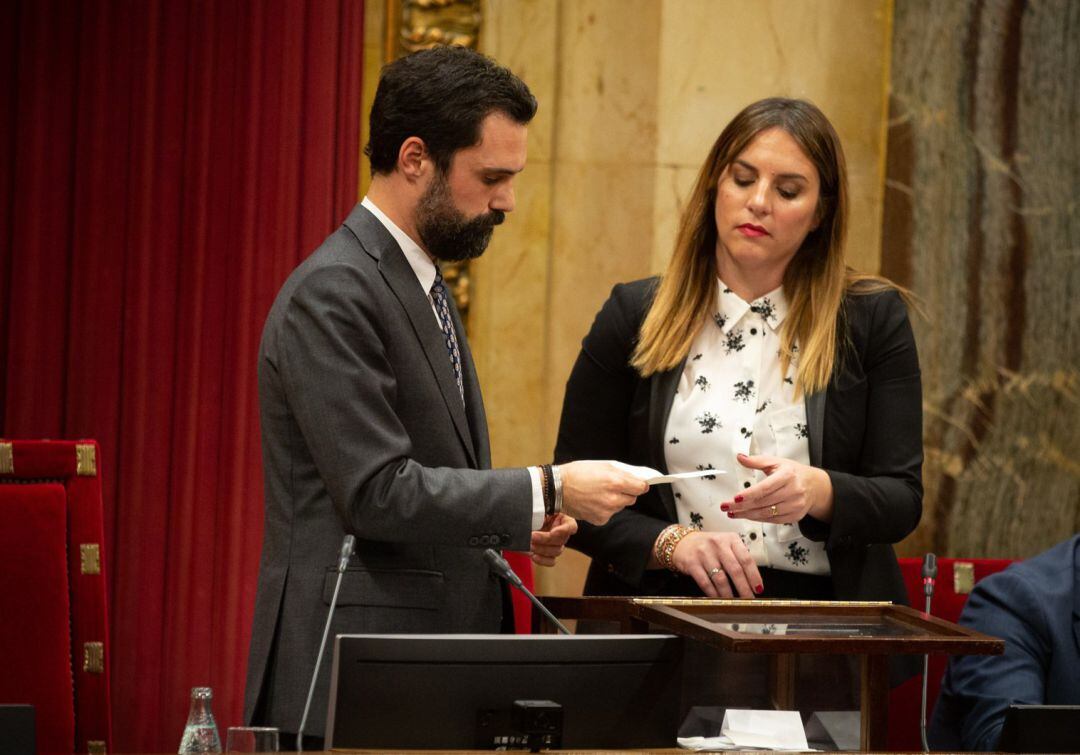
(446, 232)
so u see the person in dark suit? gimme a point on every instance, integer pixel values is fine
(372, 418)
(1034, 606)
(758, 359)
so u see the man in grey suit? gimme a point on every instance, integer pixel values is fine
(372, 418)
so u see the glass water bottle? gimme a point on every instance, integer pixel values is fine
(200, 733)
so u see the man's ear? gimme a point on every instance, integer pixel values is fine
(411, 157)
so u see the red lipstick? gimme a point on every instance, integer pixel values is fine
(751, 230)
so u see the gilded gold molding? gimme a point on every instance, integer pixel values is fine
(963, 577)
(95, 747)
(753, 602)
(85, 460)
(90, 558)
(420, 24)
(7, 458)
(413, 25)
(94, 657)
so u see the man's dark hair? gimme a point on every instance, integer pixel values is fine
(441, 95)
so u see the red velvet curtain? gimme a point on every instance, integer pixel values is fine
(164, 164)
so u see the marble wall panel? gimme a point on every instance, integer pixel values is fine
(981, 219)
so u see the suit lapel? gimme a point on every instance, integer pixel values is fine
(474, 402)
(395, 269)
(815, 420)
(661, 397)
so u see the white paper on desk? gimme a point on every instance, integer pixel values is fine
(655, 476)
(771, 729)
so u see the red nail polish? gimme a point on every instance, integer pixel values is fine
(731, 515)
(738, 499)
(759, 589)
(724, 507)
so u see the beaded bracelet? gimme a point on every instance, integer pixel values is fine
(664, 548)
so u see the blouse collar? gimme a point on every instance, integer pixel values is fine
(772, 308)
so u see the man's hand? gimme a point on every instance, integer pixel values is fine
(595, 490)
(717, 561)
(789, 492)
(548, 543)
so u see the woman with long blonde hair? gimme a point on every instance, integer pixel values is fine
(788, 382)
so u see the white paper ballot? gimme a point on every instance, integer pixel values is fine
(654, 476)
(756, 729)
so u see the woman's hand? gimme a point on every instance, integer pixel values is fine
(789, 492)
(717, 561)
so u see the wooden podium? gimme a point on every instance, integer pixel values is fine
(783, 629)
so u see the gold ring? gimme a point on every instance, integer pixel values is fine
(714, 571)
(772, 510)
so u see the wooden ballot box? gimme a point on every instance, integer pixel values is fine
(867, 632)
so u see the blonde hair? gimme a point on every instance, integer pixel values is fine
(815, 280)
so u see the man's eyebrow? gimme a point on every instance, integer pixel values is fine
(499, 171)
(750, 166)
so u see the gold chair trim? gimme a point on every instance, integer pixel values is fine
(90, 558)
(94, 657)
(963, 577)
(7, 458)
(85, 460)
(95, 747)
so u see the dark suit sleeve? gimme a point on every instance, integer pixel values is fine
(595, 420)
(880, 501)
(978, 689)
(342, 390)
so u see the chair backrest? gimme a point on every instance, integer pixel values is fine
(956, 578)
(52, 592)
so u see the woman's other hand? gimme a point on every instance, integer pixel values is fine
(718, 561)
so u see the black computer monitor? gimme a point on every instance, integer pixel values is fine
(1041, 728)
(460, 691)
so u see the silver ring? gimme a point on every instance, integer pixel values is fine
(714, 571)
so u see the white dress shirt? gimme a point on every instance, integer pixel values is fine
(732, 399)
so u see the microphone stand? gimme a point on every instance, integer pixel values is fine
(929, 574)
(347, 546)
(499, 565)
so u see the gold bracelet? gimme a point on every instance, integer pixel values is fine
(664, 548)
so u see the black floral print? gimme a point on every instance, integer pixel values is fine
(801, 430)
(789, 381)
(744, 391)
(720, 320)
(746, 432)
(696, 357)
(674, 441)
(734, 342)
(764, 307)
(702, 382)
(796, 554)
(696, 521)
(703, 467)
(708, 422)
(763, 407)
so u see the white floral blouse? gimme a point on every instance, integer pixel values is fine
(733, 399)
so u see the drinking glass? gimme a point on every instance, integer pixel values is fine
(251, 739)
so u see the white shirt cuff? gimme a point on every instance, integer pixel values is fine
(537, 498)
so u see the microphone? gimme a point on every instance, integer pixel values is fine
(929, 579)
(348, 545)
(498, 565)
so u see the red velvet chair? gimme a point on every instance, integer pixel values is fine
(956, 577)
(54, 628)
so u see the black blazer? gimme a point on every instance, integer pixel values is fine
(865, 431)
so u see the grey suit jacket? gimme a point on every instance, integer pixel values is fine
(364, 432)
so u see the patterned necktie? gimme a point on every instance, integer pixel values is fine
(442, 308)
